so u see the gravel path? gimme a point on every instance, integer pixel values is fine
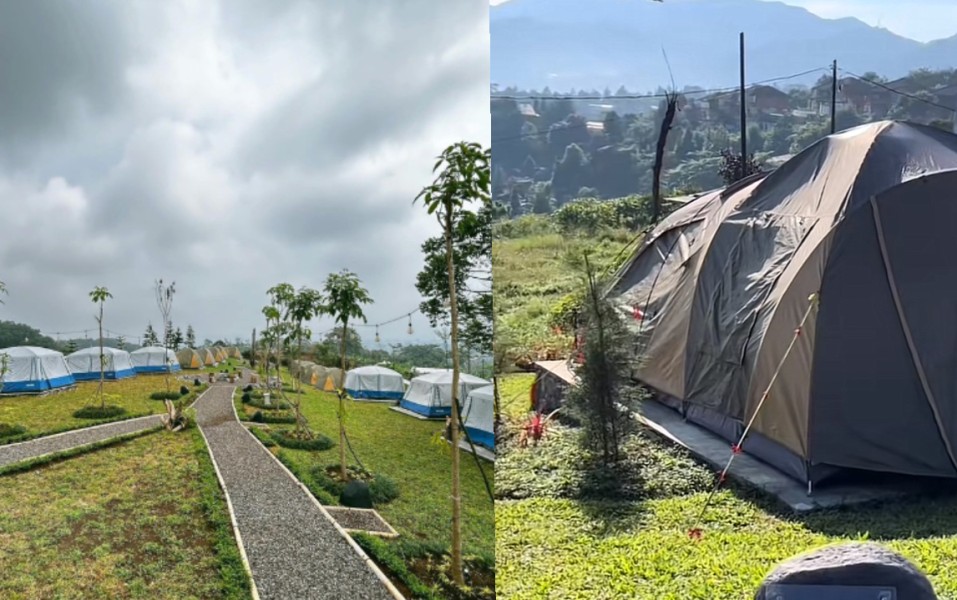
(14, 453)
(293, 548)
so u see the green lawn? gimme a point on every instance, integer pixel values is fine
(515, 393)
(42, 415)
(141, 519)
(407, 451)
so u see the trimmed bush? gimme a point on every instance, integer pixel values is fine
(277, 417)
(164, 396)
(196, 383)
(7, 430)
(183, 390)
(276, 404)
(382, 489)
(246, 398)
(287, 439)
(99, 412)
(248, 388)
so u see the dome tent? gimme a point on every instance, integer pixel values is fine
(716, 296)
(479, 416)
(431, 395)
(374, 382)
(29, 369)
(234, 352)
(189, 359)
(208, 359)
(85, 364)
(154, 359)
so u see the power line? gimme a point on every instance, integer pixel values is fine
(718, 92)
(899, 92)
(729, 89)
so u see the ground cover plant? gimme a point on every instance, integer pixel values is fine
(407, 452)
(568, 527)
(43, 415)
(102, 524)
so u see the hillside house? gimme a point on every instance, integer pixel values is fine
(760, 99)
(854, 95)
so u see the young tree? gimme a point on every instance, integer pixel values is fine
(464, 178)
(99, 295)
(120, 342)
(302, 306)
(149, 337)
(344, 299)
(164, 301)
(190, 337)
(177, 339)
(71, 346)
(595, 400)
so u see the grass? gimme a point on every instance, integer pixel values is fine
(531, 275)
(144, 518)
(54, 413)
(566, 528)
(514, 393)
(408, 452)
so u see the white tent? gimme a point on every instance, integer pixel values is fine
(374, 382)
(431, 395)
(479, 416)
(29, 369)
(416, 371)
(154, 359)
(85, 363)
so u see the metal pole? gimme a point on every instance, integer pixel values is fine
(834, 96)
(744, 110)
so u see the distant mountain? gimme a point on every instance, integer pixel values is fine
(594, 44)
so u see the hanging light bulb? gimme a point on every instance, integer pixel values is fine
(410, 323)
(377, 340)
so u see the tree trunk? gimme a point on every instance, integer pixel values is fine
(671, 107)
(102, 376)
(342, 403)
(457, 575)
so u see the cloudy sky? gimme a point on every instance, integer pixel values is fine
(227, 146)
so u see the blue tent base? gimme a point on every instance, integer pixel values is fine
(374, 395)
(430, 412)
(108, 375)
(24, 388)
(481, 437)
(155, 370)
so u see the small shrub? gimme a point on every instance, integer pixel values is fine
(382, 489)
(288, 439)
(183, 390)
(7, 430)
(246, 398)
(248, 388)
(164, 396)
(275, 417)
(276, 404)
(258, 416)
(99, 412)
(196, 383)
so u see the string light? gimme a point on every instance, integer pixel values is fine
(410, 323)
(377, 338)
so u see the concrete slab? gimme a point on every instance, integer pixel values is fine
(482, 451)
(759, 475)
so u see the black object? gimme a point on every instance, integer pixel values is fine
(196, 382)
(856, 567)
(183, 390)
(356, 495)
(248, 388)
(831, 592)
(247, 398)
(258, 417)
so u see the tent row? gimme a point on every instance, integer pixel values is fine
(198, 358)
(29, 369)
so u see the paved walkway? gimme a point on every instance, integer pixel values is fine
(293, 548)
(21, 451)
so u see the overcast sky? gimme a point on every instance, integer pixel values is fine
(922, 20)
(227, 146)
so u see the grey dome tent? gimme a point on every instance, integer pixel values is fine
(863, 220)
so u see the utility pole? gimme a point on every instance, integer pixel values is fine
(744, 110)
(834, 96)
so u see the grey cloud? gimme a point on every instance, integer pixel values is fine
(228, 147)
